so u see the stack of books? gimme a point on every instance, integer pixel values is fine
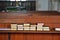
(33, 27)
(46, 28)
(13, 26)
(26, 26)
(20, 27)
(40, 26)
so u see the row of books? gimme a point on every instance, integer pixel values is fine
(28, 26)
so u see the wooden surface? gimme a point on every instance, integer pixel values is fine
(31, 17)
(28, 32)
(51, 19)
(36, 37)
(31, 37)
(3, 37)
(13, 15)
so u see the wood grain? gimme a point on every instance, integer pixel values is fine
(19, 36)
(56, 36)
(3, 37)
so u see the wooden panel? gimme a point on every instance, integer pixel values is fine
(7, 25)
(3, 37)
(47, 37)
(29, 36)
(2, 26)
(42, 37)
(38, 36)
(56, 36)
(33, 19)
(45, 19)
(12, 20)
(52, 25)
(17, 37)
(12, 37)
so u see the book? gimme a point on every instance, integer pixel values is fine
(13, 26)
(39, 29)
(26, 25)
(26, 28)
(20, 27)
(32, 28)
(57, 29)
(46, 29)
